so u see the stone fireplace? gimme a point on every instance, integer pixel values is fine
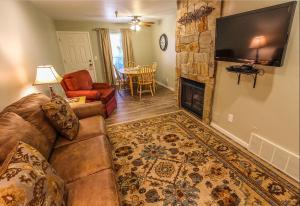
(195, 40)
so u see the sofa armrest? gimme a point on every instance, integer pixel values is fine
(89, 94)
(101, 85)
(89, 109)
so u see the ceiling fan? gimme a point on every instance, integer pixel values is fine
(136, 22)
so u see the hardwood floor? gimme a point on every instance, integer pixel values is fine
(131, 108)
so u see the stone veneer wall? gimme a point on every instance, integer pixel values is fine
(195, 41)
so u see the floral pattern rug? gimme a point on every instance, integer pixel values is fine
(173, 159)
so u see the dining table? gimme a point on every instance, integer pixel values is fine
(130, 72)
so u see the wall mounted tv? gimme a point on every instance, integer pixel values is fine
(255, 37)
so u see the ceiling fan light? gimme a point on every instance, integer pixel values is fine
(137, 27)
(132, 27)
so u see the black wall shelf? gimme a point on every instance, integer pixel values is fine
(246, 70)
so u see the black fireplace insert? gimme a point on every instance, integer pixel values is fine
(192, 96)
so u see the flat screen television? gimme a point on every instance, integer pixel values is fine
(255, 37)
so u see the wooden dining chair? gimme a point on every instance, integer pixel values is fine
(154, 67)
(131, 64)
(121, 82)
(145, 79)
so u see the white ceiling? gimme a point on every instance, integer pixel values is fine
(104, 10)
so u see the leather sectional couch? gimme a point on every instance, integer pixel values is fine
(84, 163)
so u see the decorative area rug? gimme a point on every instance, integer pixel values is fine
(173, 159)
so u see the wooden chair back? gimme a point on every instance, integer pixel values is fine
(154, 66)
(145, 75)
(131, 64)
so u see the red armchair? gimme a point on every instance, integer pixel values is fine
(80, 83)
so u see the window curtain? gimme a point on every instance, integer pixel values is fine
(105, 49)
(127, 47)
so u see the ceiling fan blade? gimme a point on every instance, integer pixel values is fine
(148, 22)
(145, 24)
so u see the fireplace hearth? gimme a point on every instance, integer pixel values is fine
(192, 96)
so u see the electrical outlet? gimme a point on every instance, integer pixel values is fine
(230, 118)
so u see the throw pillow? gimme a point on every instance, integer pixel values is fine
(26, 178)
(62, 117)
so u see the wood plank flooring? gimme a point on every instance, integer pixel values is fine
(132, 108)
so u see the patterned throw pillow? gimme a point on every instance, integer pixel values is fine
(26, 178)
(62, 117)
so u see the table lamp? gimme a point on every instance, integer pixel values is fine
(46, 74)
(257, 43)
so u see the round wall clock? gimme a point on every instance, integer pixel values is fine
(163, 42)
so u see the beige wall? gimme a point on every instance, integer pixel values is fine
(272, 108)
(27, 39)
(141, 45)
(166, 59)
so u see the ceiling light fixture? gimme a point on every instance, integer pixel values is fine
(135, 27)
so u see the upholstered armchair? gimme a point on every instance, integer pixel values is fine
(80, 83)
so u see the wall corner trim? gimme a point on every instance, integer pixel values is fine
(161, 84)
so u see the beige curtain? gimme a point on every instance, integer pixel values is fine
(105, 50)
(127, 46)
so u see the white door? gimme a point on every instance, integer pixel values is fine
(76, 51)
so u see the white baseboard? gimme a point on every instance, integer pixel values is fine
(161, 84)
(285, 160)
(230, 135)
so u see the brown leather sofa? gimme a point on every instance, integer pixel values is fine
(84, 163)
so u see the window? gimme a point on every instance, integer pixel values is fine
(117, 51)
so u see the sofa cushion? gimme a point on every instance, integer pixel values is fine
(72, 84)
(89, 109)
(26, 178)
(62, 117)
(107, 94)
(88, 127)
(82, 158)
(14, 128)
(29, 108)
(98, 189)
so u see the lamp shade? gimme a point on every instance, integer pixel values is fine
(46, 74)
(258, 42)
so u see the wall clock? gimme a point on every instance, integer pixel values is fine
(163, 42)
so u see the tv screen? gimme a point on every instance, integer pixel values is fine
(257, 37)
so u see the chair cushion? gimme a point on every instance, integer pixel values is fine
(82, 158)
(107, 94)
(89, 94)
(62, 117)
(10, 135)
(88, 127)
(98, 189)
(29, 108)
(26, 178)
(72, 84)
